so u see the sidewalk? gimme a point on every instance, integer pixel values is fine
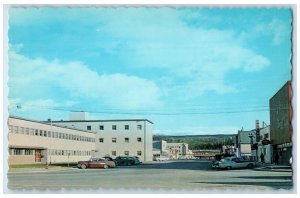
(273, 167)
(40, 170)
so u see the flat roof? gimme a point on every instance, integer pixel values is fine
(118, 120)
(49, 124)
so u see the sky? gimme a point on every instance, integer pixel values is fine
(191, 71)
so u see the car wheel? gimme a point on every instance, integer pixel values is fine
(83, 166)
(250, 166)
(105, 166)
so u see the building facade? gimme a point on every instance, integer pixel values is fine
(264, 146)
(171, 150)
(36, 142)
(281, 129)
(117, 137)
(244, 143)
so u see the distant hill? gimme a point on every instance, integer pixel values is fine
(199, 141)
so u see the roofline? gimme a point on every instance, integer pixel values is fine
(47, 123)
(288, 83)
(118, 120)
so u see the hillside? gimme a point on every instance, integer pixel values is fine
(199, 141)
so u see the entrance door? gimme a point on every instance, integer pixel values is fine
(38, 155)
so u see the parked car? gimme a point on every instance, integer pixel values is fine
(96, 163)
(162, 158)
(233, 162)
(126, 160)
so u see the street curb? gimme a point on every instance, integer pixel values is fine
(24, 170)
(273, 169)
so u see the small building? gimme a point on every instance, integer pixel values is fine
(171, 150)
(264, 145)
(244, 142)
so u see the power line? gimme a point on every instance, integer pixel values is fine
(161, 112)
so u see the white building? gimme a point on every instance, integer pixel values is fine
(244, 143)
(132, 137)
(172, 150)
(71, 141)
(264, 145)
(36, 142)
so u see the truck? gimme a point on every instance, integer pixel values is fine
(234, 162)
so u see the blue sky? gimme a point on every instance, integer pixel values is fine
(189, 70)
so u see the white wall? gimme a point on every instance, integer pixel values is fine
(107, 134)
(22, 139)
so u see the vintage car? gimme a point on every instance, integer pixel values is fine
(161, 158)
(233, 162)
(96, 163)
(126, 160)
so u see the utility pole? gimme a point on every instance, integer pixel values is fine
(257, 136)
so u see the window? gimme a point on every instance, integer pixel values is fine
(114, 140)
(36, 132)
(114, 153)
(49, 133)
(139, 127)
(139, 139)
(28, 152)
(88, 127)
(18, 151)
(126, 139)
(126, 127)
(126, 152)
(59, 135)
(22, 130)
(100, 139)
(139, 153)
(31, 131)
(266, 135)
(41, 133)
(114, 127)
(16, 128)
(101, 127)
(27, 131)
(45, 133)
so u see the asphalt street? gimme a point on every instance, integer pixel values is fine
(184, 176)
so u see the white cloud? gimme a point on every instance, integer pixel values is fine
(197, 54)
(276, 28)
(78, 81)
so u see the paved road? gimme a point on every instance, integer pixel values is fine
(189, 176)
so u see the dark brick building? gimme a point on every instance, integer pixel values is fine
(281, 129)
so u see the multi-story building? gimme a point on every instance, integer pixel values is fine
(131, 137)
(49, 142)
(37, 142)
(281, 129)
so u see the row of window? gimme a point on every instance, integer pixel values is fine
(68, 152)
(173, 146)
(114, 140)
(17, 151)
(51, 134)
(21, 151)
(138, 153)
(114, 127)
(52, 152)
